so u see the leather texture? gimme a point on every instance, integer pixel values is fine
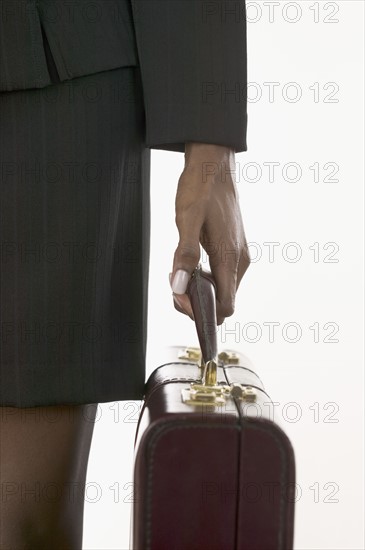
(201, 290)
(210, 476)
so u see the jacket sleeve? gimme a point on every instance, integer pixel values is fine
(193, 61)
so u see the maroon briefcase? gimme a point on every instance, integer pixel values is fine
(212, 469)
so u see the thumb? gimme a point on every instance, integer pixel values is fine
(186, 259)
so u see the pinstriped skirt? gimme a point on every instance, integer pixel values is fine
(74, 238)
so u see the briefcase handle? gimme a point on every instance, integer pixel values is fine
(201, 290)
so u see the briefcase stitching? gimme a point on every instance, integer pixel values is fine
(283, 475)
(244, 368)
(168, 426)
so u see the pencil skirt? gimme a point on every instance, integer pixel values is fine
(75, 241)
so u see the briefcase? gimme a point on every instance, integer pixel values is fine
(213, 470)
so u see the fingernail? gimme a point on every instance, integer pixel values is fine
(180, 281)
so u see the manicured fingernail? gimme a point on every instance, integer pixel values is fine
(180, 281)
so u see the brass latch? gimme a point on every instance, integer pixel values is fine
(190, 354)
(229, 357)
(194, 354)
(209, 391)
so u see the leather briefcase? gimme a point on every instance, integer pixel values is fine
(212, 469)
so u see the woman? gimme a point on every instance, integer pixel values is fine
(87, 90)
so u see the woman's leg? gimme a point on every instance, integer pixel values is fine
(44, 454)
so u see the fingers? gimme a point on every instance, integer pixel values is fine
(182, 303)
(186, 259)
(190, 208)
(209, 215)
(227, 277)
(226, 282)
(229, 258)
(244, 263)
(227, 268)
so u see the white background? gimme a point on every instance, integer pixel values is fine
(317, 380)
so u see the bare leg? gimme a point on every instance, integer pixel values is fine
(44, 454)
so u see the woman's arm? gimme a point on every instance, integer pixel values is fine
(208, 212)
(193, 60)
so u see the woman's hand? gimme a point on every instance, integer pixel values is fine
(208, 212)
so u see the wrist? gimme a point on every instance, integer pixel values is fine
(210, 158)
(197, 148)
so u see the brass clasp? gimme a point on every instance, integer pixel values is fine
(190, 354)
(209, 391)
(229, 357)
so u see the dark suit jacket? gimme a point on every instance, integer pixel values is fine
(191, 53)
